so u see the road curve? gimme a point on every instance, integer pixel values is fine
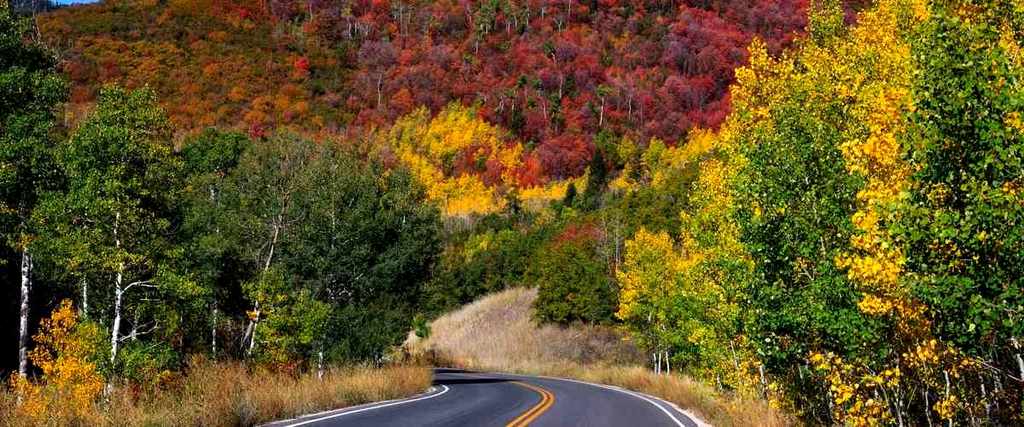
(464, 398)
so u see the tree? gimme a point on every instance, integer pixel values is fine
(573, 281)
(439, 151)
(209, 159)
(112, 224)
(65, 352)
(335, 249)
(686, 296)
(364, 250)
(262, 194)
(963, 225)
(30, 91)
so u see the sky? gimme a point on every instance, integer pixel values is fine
(65, 2)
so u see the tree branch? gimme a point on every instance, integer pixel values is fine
(140, 283)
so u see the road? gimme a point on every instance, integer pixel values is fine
(463, 398)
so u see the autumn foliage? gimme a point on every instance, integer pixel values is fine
(70, 382)
(813, 204)
(552, 73)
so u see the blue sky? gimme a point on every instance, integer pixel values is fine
(74, 1)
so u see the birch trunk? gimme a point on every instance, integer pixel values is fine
(1020, 361)
(115, 328)
(320, 363)
(927, 408)
(85, 298)
(26, 289)
(252, 329)
(949, 422)
(213, 332)
(764, 383)
(251, 333)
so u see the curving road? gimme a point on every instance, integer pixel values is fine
(463, 398)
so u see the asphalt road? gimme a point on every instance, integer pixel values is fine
(461, 398)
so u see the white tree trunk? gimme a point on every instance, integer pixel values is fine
(1020, 361)
(251, 333)
(213, 331)
(115, 328)
(26, 289)
(320, 363)
(949, 422)
(764, 383)
(85, 298)
(668, 364)
(928, 408)
(252, 330)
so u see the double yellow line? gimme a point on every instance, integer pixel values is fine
(546, 400)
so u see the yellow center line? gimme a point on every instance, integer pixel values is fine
(546, 400)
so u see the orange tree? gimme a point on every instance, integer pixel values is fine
(66, 352)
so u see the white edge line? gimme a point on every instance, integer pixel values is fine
(444, 389)
(631, 393)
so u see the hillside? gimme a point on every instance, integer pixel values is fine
(498, 332)
(555, 74)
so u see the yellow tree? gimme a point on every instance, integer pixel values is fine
(868, 68)
(430, 146)
(685, 295)
(70, 383)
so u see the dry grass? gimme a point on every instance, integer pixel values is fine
(231, 394)
(496, 333)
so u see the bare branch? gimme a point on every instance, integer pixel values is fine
(141, 283)
(136, 333)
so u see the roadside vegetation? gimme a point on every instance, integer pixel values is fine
(71, 391)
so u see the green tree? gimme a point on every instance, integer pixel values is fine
(366, 248)
(964, 223)
(30, 92)
(329, 235)
(794, 199)
(214, 260)
(113, 224)
(573, 283)
(262, 195)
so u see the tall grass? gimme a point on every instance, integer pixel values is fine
(233, 394)
(496, 333)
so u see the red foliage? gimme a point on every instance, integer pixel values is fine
(551, 72)
(301, 64)
(565, 155)
(530, 172)
(579, 233)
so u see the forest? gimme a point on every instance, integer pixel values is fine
(814, 204)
